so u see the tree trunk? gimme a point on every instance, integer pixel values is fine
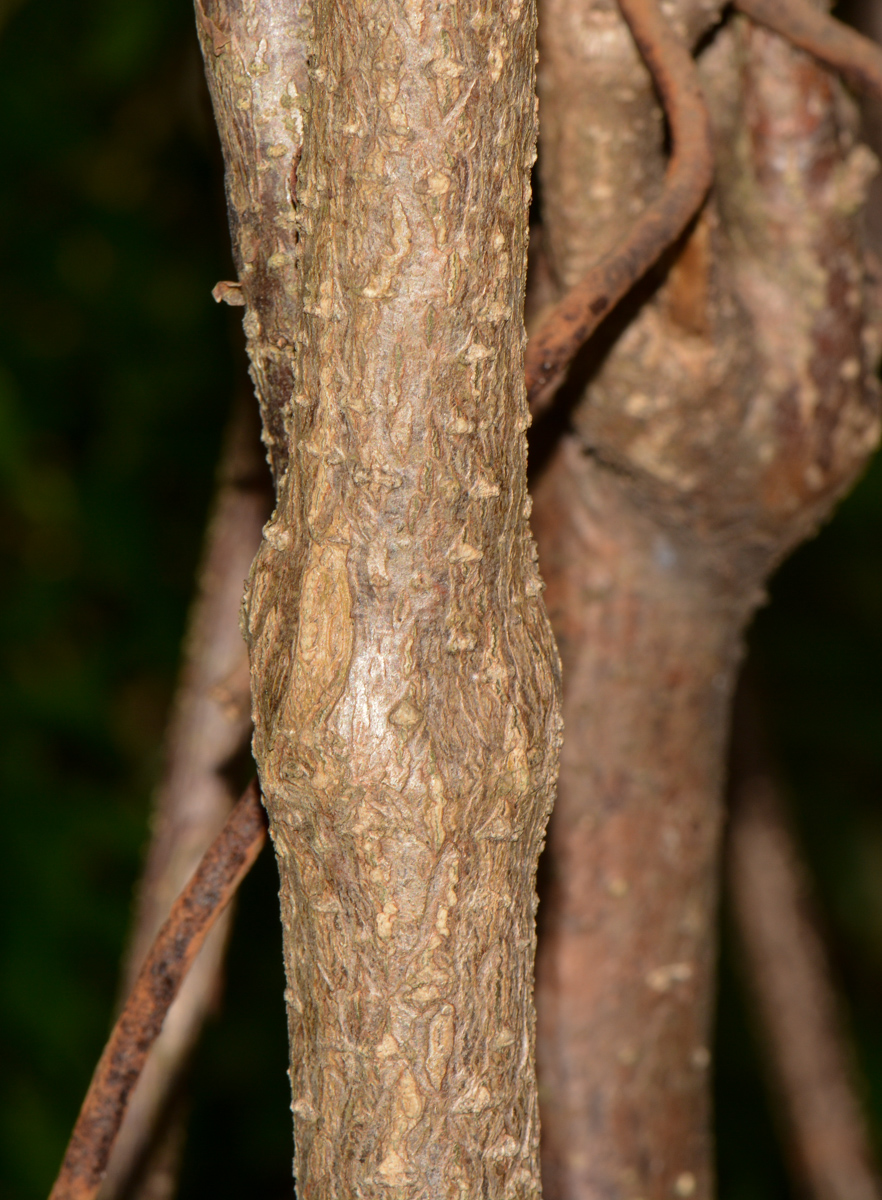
(719, 417)
(627, 931)
(403, 672)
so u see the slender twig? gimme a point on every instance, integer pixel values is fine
(210, 717)
(690, 172)
(208, 728)
(807, 1054)
(819, 34)
(194, 913)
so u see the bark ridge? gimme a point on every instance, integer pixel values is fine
(404, 676)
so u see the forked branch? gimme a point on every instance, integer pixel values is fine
(690, 171)
(194, 913)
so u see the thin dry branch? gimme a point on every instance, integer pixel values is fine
(690, 172)
(796, 1002)
(193, 915)
(210, 720)
(209, 727)
(819, 34)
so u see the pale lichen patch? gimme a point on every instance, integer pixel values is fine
(685, 1184)
(462, 552)
(475, 1100)
(405, 715)
(304, 1110)
(393, 1169)
(662, 979)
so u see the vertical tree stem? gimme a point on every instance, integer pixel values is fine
(709, 438)
(628, 925)
(403, 671)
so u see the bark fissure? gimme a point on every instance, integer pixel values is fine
(404, 676)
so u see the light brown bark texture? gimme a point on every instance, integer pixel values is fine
(208, 728)
(714, 421)
(403, 671)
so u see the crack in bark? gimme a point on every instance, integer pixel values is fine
(404, 677)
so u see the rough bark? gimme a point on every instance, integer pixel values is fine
(714, 424)
(403, 672)
(208, 728)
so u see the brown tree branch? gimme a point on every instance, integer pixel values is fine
(826, 39)
(651, 40)
(715, 430)
(799, 1012)
(193, 915)
(208, 728)
(403, 671)
(211, 712)
(690, 171)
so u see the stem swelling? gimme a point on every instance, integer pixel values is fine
(403, 673)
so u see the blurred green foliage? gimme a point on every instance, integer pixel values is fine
(116, 374)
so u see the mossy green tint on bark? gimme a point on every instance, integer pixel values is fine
(404, 677)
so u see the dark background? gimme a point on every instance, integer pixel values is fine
(117, 372)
